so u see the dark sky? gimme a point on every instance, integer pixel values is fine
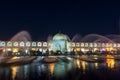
(43, 18)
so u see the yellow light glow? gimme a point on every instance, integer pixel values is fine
(83, 65)
(111, 49)
(15, 58)
(96, 65)
(78, 63)
(77, 49)
(95, 49)
(108, 49)
(52, 66)
(14, 72)
(15, 50)
(110, 61)
(33, 49)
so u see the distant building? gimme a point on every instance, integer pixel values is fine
(59, 42)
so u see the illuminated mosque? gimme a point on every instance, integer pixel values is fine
(61, 42)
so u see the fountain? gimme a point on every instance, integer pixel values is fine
(76, 38)
(103, 40)
(94, 37)
(114, 37)
(21, 36)
(5, 60)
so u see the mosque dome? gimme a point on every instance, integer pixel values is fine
(59, 36)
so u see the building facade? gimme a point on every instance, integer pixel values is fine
(59, 42)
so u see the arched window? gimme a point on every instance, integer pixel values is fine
(110, 45)
(77, 45)
(86, 44)
(73, 44)
(103, 44)
(27, 44)
(91, 44)
(22, 44)
(107, 44)
(33, 44)
(82, 44)
(15, 44)
(118, 45)
(9, 44)
(114, 45)
(44, 44)
(99, 45)
(2, 43)
(39, 44)
(95, 45)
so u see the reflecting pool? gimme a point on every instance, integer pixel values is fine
(74, 69)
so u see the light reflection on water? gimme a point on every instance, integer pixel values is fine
(110, 61)
(83, 65)
(14, 72)
(77, 62)
(52, 66)
(96, 65)
(60, 69)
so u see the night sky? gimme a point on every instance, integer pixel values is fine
(45, 18)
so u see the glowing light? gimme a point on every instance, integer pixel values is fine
(96, 65)
(40, 49)
(107, 49)
(26, 51)
(69, 50)
(95, 49)
(15, 49)
(15, 58)
(103, 49)
(44, 50)
(110, 61)
(4, 50)
(14, 72)
(52, 65)
(82, 49)
(8, 49)
(33, 49)
(111, 49)
(78, 63)
(77, 49)
(83, 65)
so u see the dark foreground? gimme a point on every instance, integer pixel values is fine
(65, 69)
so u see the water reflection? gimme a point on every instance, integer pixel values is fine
(52, 66)
(26, 71)
(77, 63)
(38, 70)
(60, 69)
(110, 61)
(80, 63)
(83, 65)
(96, 65)
(14, 72)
